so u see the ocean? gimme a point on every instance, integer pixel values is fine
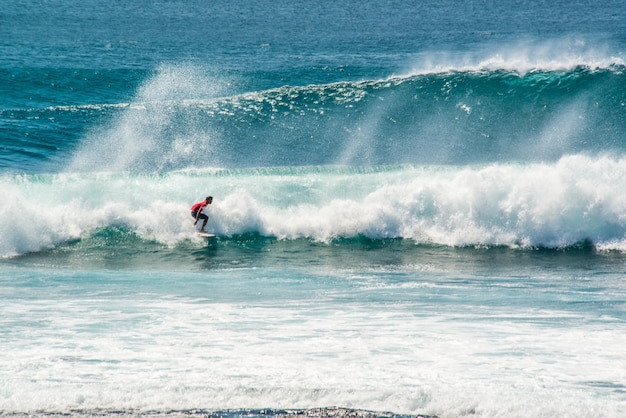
(419, 209)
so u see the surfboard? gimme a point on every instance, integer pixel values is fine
(206, 235)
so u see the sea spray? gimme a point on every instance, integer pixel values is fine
(452, 117)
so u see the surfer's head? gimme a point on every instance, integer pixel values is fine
(209, 199)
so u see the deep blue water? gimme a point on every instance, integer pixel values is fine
(419, 208)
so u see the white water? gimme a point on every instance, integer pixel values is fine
(551, 204)
(407, 342)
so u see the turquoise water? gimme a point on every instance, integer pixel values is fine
(419, 209)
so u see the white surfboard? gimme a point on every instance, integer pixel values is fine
(206, 235)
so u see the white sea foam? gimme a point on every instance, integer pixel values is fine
(576, 199)
(75, 344)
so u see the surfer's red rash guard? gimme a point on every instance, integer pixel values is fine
(198, 206)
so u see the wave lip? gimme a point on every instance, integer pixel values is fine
(522, 57)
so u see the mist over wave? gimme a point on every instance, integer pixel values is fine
(180, 120)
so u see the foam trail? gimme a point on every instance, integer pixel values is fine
(225, 340)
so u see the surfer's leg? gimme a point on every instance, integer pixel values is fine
(205, 219)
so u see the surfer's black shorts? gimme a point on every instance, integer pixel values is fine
(202, 215)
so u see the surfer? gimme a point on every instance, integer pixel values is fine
(196, 212)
